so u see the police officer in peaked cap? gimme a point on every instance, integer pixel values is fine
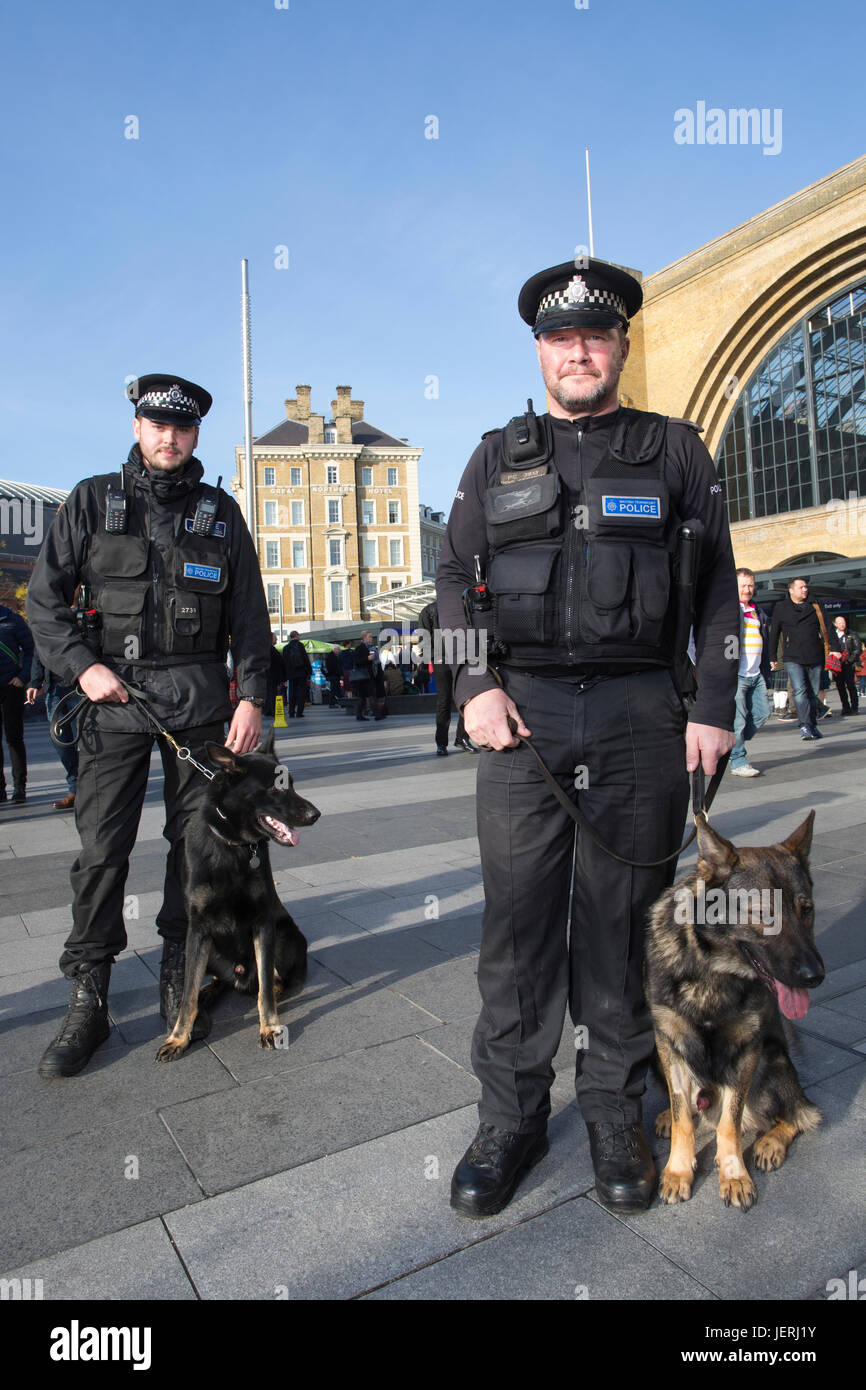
(572, 517)
(168, 571)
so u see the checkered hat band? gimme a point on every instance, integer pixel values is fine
(590, 299)
(169, 400)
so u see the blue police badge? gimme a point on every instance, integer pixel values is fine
(632, 508)
(210, 572)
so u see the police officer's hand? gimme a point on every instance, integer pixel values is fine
(245, 730)
(706, 743)
(102, 686)
(485, 719)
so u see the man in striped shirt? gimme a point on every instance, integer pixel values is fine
(753, 703)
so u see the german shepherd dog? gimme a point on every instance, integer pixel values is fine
(238, 930)
(721, 969)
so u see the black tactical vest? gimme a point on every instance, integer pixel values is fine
(583, 581)
(159, 615)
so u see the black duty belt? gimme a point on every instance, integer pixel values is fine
(139, 699)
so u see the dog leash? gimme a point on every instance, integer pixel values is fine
(702, 798)
(139, 699)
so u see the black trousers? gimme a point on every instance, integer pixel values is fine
(12, 724)
(112, 781)
(563, 922)
(444, 695)
(297, 695)
(846, 685)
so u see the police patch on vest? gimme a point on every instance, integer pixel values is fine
(219, 527)
(639, 508)
(211, 572)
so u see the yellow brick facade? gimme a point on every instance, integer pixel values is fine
(336, 520)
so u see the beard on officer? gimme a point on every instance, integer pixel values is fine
(572, 518)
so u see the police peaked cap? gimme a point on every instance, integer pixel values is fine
(579, 293)
(169, 399)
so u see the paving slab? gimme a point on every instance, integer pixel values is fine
(808, 1219)
(341, 1226)
(103, 1179)
(137, 1263)
(575, 1252)
(119, 1083)
(269, 1125)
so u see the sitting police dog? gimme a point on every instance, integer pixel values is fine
(238, 929)
(729, 950)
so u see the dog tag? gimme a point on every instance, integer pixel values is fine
(254, 860)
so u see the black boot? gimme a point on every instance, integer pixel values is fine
(488, 1173)
(85, 1025)
(624, 1170)
(171, 972)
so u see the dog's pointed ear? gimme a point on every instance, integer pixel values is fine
(716, 855)
(267, 743)
(799, 842)
(224, 758)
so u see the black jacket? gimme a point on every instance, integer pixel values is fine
(296, 661)
(798, 626)
(183, 692)
(16, 648)
(695, 493)
(850, 644)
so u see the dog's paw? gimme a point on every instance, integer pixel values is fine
(770, 1152)
(738, 1192)
(663, 1124)
(675, 1186)
(171, 1049)
(269, 1035)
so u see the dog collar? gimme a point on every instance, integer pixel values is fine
(253, 848)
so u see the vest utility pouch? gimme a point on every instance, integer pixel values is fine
(625, 592)
(121, 608)
(184, 624)
(524, 598)
(196, 602)
(524, 510)
(118, 557)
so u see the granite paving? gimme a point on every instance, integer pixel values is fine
(321, 1170)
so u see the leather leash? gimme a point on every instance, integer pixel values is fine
(702, 798)
(138, 698)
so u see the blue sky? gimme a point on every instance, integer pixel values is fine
(304, 127)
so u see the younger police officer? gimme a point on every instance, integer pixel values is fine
(170, 572)
(573, 519)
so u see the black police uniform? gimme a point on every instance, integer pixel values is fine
(578, 553)
(166, 601)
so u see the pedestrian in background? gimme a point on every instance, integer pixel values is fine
(55, 691)
(848, 649)
(16, 656)
(753, 703)
(299, 671)
(334, 674)
(803, 630)
(428, 619)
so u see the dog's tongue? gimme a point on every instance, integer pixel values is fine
(794, 1003)
(284, 833)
